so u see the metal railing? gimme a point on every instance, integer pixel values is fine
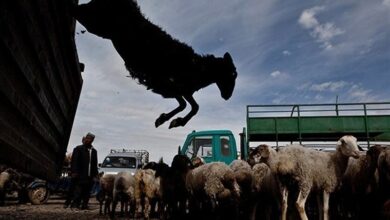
(318, 110)
(302, 110)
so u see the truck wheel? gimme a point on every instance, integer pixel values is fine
(38, 195)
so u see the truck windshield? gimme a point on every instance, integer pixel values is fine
(119, 162)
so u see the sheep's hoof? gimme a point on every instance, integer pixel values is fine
(160, 120)
(177, 122)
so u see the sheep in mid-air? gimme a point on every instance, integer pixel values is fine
(163, 64)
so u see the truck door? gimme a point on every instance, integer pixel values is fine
(224, 149)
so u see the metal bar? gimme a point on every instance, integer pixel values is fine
(366, 125)
(292, 111)
(276, 132)
(299, 126)
(288, 105)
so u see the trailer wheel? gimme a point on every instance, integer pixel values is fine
(38, 195)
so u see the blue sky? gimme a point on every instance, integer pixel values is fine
(286, 52)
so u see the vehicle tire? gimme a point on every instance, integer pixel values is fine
(38, 195)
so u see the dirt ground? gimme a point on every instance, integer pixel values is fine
(53, 210)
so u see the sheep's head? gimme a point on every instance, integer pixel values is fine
(227, 77)
(262, 152)
(348, 146)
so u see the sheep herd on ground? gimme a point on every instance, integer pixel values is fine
(272, 184)
(291, 182)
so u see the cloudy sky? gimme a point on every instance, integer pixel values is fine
(286, 52)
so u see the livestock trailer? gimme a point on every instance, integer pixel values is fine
(40, 84)
(304, 123)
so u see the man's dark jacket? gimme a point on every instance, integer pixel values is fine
(80, 162)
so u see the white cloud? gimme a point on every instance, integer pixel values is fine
(360, 94)
(328, 86)
(307, 19)
(323, 33)
(276, 73)
(286, 53)
(279, 74)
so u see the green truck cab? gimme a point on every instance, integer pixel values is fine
(211, 145)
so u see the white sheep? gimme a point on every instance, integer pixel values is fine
(105, 194)
(384, 181)
(147, 188)
(312, 169)
(123, 191)
(212, 182)
(359, 184)
(243, 175)
(267, 193)
(265, 184)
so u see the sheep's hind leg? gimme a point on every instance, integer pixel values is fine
(301, 204)
(166, 116)
(183, 121)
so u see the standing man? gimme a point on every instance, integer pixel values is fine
(83, 170)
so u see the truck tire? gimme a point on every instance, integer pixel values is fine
(38, 195)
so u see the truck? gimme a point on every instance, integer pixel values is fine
(312, 125)
(123, 160)
(40, 82)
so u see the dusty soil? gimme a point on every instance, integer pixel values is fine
(53, 210)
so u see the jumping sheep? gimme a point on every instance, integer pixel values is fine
(313, 169)
(163, 64)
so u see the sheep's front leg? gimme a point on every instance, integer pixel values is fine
(284, 202)
(183, 121)
(166, 116)
(302, 196)
(326, 205)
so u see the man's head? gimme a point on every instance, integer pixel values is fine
(88, 139)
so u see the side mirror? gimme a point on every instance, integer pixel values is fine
(99, 165)
(179, 150)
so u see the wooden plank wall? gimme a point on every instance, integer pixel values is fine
(40, 84)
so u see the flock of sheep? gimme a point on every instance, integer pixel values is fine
(292, 182)
(354, 182)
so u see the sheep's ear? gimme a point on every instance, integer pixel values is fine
(265, 153)
(341, 141)
(227, 57)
